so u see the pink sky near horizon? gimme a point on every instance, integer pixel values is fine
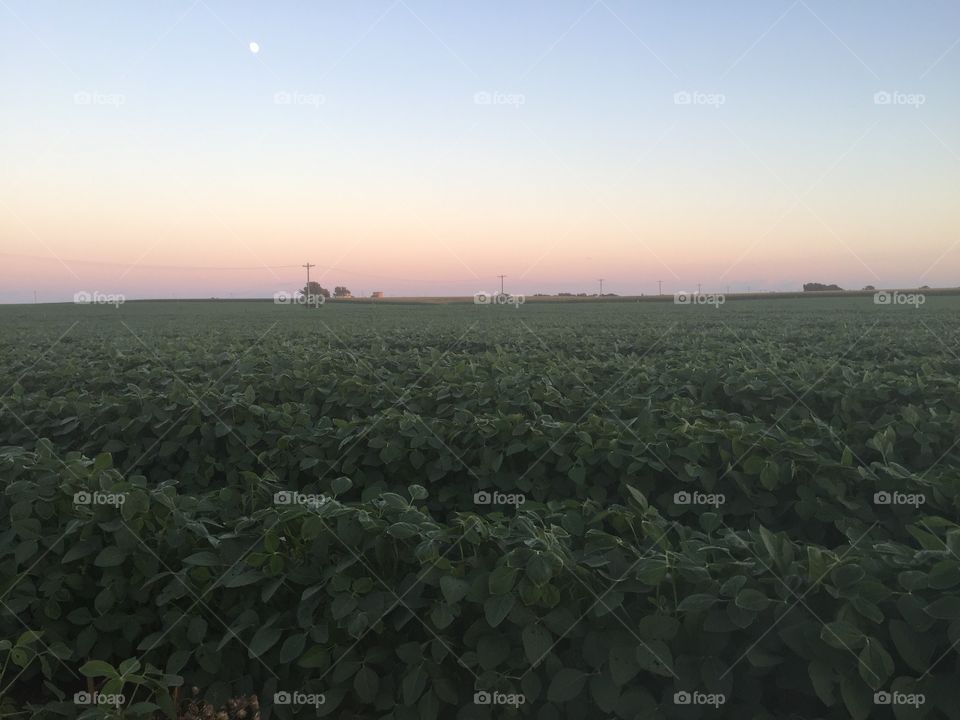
(195, 182)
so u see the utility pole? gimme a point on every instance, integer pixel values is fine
(660, 285)
(501, 282)
(308, 266)
(601, 286)
(698, 288)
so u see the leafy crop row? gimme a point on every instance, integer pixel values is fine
(584, 520)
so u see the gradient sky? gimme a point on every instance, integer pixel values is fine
(147, 151)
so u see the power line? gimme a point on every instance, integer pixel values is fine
(125, 266)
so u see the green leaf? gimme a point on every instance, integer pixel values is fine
(655, 657)
(847, 575)
(623, 664)
(264, 639)
(292, 647)
(366, 683)
(315, 657)
(770, 475)
(413, 684)
(841, 635)
(177, 660)
(98, 668)
(110, 556)
(946, 607)
(566, 685)
(497, 607)
(501, 580)
(857, 697)
(492, 650)
(658, 627)
(103, 461)
(537, 642)
(129, 666)
(750, 599)
(696, 602)
(403, 530)
(821, 676)
(341, 485)
(876, 665)
(453, 589)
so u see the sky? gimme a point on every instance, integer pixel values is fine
(198, 148)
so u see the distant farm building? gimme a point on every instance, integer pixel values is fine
(377, 294)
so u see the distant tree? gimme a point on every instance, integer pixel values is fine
(870, 288)
(819, 287)
(924, 287)
(341, 291)
(564, 294)
(315, 288)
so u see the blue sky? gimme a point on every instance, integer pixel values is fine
(360, 122)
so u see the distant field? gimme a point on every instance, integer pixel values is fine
(589, 506)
